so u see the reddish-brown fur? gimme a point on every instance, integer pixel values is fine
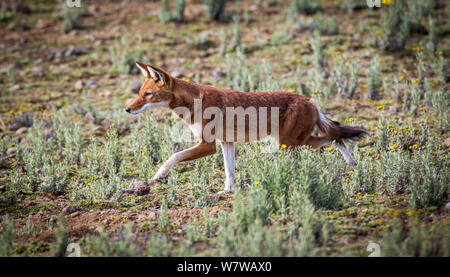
(298, 115)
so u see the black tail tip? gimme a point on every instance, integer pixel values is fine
(353, 133)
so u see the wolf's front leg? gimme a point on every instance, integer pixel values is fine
(200, 150)
(229, 161)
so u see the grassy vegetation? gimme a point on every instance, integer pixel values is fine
(65, 147)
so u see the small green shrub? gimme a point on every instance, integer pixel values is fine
(123, 57)
(7, 237)
(59, 248)
(374, 80)
(72, 18)
(166, 16)
(418, 241)
(215, 9)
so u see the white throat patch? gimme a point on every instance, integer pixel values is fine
(163, 104)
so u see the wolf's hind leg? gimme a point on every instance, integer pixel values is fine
(229, 161)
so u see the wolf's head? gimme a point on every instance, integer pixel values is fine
(155, 92)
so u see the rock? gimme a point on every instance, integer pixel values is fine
(447, 206)
(218, 74)
(21, 130)
(99, 228)
(93, 9)
(22, 120)
(11, 150)
(106, 93)
(77, 108)
(75, 214)
(272, 3)
(41, 24)
(73, 51)
(4, 162)
(142, 190)
(38, 71)
(11, 67)
(79, 85)
(69, 210)
(133, 87)
(393, 109)
(14, 88)
(92, 84)
(177, 73)
(447, 142)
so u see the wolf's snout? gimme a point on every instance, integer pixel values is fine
(128, 110)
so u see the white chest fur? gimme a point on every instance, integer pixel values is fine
(196, 130)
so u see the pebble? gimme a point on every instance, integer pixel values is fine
(133, 87)
(69, 210)
(21, 130)
(14, 88)
(79, 85)
(11, 151)
(75, 214)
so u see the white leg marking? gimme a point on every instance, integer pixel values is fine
(347, 156)
(167, 166)
(229, 160)
(171, 162)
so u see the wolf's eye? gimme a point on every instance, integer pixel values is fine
(147, 93)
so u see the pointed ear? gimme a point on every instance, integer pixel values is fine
(143, 68)
(160, 76)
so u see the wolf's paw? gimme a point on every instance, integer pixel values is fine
(159, 179)
(225, 192)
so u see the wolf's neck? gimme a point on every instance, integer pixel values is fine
(184, 93)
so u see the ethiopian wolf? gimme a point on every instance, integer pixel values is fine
(231, 116)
